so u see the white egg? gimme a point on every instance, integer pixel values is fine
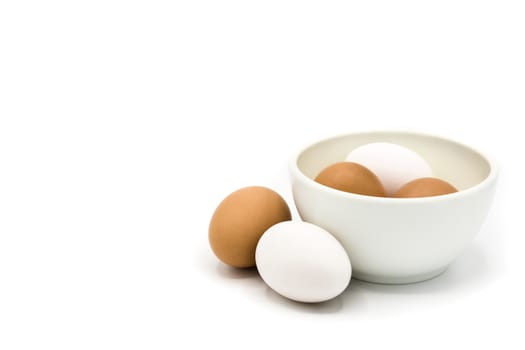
(303, 262)
(394, 165)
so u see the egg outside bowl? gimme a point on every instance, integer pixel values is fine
(397, 240)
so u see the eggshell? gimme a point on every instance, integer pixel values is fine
(351, 177)
(240, 220)
(303, 262)
(425, 187)
(394, 165)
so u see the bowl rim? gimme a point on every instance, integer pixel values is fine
(487, 181)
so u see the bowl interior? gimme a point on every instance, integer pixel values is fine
(458, 164)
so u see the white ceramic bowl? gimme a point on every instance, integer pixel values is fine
(398, 240)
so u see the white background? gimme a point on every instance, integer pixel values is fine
(124, 123)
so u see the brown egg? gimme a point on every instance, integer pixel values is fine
(351, 177)
(241, 219)
(425, 187)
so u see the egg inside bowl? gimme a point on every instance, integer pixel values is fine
(397, 240)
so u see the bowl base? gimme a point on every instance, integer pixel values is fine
(398, 279)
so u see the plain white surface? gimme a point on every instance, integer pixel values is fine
(124, 123)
